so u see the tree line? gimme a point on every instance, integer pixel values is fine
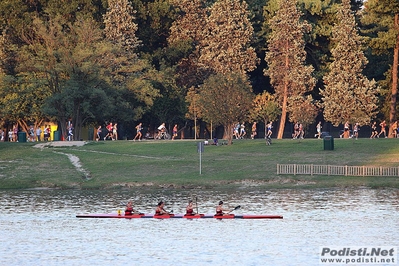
(217, 61)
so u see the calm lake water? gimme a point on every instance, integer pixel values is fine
(40, 227)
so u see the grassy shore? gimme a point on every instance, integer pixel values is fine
(246, 163)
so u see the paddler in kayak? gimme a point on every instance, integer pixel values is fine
(129, 209)
(220, 211)
(190, 209)
(160, 209)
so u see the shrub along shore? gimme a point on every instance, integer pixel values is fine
(176, 164)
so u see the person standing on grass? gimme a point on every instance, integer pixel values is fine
(296, 130)
(301, 131)
(253, 130)
(383, 125)
(374, 131)
(110, 129)
(356, 129)
(99, 130)
(70, 132)
(139, 128)
(236, 131)
(45, 133)
(15, 130)
(174, 132)
(346, 132)
(48, 130)
(395, 129)
(31, 133)
(38, 133)
(269, 130)
(318, 129)
(242, 130)
(115, 132)
(10, 135)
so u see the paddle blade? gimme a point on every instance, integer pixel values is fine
(236, 208)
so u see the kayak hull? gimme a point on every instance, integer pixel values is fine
(110, 215)
(198, 216)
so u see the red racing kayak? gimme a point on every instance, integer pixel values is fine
(168, 216)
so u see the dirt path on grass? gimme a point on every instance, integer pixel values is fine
(74, 159)
(59, 144)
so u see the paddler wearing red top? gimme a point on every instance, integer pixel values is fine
(160, 209)
(129, 209)
(220, 211)
(190, 208)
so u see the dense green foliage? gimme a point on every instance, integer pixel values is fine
(381, 24)
(348, 94)
(97, 61)
(286, 56)
(225, 100)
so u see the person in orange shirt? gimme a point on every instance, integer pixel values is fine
(174, 131)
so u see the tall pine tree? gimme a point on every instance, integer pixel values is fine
(119, 24)
(130, 74)
(226, 40)
(348, 94)
(185, 35)
(381, 18)
(286, 57)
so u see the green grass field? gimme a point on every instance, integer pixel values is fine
(246, 163)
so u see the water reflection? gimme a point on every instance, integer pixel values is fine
(40, 226)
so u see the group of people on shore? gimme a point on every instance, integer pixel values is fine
(34, 134)
(374, 130)
(12, 134)
(112, 132)
(239, 130)
(375, 133)
(299, 131)
(383, 125)
(161, 132)
(160, 209)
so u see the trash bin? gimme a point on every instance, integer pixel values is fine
(328, 143)
(57, 135)
(21, 136)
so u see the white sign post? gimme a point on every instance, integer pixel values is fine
(200, 150)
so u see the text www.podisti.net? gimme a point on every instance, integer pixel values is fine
(358, 255)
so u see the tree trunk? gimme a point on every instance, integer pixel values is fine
(63, 123)
(283, 114)
(23, 125)
(265, 127)
(394, 90)
(285, 96)
(228, 132)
